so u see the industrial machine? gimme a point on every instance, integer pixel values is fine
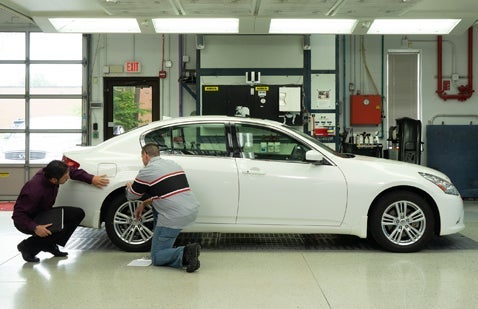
(405, 140)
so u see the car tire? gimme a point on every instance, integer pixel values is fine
(124, 230)
(402, 222)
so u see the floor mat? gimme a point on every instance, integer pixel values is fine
(97, 239)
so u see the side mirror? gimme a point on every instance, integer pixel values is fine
(314, 156)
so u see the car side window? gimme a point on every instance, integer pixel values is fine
(263, 143)
(191, 139)
(161, 137)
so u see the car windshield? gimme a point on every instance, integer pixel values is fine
(322, 146)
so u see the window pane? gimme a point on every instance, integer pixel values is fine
(55, 122)
(266, 144)
(50, 146)
(12, 78)
(132, 106)
(44, 147)
(196, 139)
(203, 140)
(55, 46)
(160, 137)
(57, 109)
(13, 148)
(12, 113)
(55, 78)
(12, 46)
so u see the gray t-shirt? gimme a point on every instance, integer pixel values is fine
(166, 182)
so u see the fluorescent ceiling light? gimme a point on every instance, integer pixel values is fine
(412, 26)
(196, 25)
(95, 25)
(310, 26)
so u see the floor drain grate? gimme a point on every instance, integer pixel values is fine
(97, 239)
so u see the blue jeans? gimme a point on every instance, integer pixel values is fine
(162, 251)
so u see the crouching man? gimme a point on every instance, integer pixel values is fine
(37, 196)
(174, 203)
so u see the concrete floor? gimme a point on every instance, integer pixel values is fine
(443, 277)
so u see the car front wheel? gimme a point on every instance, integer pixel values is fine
(124, 230)
(402, 222)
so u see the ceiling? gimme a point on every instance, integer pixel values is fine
(18, 15)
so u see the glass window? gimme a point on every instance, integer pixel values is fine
(12, 79)
(52, 145)
(55, 102)
(13, 46)
(194, 139)
(44, 147)
(56, 46)
(67, 108)
(266, 144)
(12, 112)
(132, 107)
(55, 78)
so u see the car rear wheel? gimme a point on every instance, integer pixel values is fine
(402, 222)
(124, 230)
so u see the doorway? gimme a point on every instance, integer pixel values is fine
(403, 85)
(130, 102)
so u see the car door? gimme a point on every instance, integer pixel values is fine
(203, 151)
(277, 185)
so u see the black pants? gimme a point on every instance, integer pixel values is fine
(72, 216)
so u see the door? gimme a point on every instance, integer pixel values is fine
(204, 151)
(277, 185)
(130, 102)
(403, 85)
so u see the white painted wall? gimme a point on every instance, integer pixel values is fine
(432, 105)
(286, 52)
(116, 49)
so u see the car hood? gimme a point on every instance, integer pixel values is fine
(386, 167)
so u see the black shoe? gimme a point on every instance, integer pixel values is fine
(191, 254)
(26, 254)
(53, 249)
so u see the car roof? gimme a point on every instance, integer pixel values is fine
(208, 118)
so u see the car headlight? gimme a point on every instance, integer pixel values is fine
(445, 185)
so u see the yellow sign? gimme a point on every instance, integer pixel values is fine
(211, 88)
(4, 174)
(262, 88)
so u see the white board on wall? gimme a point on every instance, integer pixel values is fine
(322, 90)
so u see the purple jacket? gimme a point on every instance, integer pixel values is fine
(37, 195)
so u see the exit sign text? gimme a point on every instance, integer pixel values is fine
(132, 66)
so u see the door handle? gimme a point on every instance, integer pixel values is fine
(254, 171)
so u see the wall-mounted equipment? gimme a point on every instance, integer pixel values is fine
(253, 77)
(289, 99)
(259, 101)
(323, 124)
(365, 109)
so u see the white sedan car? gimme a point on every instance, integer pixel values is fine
(261, 176)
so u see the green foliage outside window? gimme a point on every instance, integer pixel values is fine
(126, 109)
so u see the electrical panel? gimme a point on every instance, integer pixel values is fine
(275, 102)
(365, 109)
(323, 124)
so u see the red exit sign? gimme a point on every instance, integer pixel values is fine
(132, 66)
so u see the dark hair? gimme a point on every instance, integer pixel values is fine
(150, 149)
(55, 169)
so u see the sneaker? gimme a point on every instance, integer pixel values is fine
(53, 249)
(26, 254)
(191, 254)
